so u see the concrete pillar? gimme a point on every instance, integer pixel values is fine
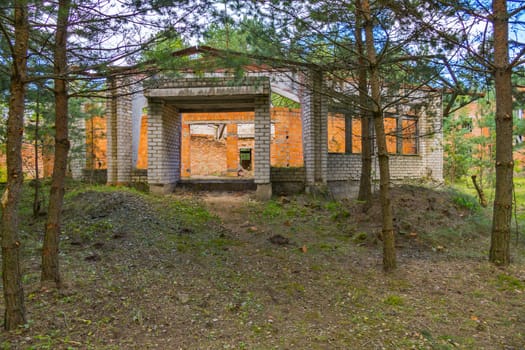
(314, 115)
(164, 141)
(111, 132)
(262, 147)
(119, 133)
(232, 150)
(77, 159)
(185, 170)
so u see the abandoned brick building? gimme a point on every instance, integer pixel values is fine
(168, 131)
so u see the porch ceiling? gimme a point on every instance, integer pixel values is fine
(237, 103)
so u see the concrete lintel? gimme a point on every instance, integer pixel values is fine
(162, 188)
(264, 192)
(219, 121)
(207, 91)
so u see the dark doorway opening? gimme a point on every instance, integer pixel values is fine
(245, 155)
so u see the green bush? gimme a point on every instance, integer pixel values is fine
(466, 201)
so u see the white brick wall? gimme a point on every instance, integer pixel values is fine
(164, 125)
(314, 115)
(262, 139)
(119, 131)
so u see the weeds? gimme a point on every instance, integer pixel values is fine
(465, 201)
(272, 210)
(393, 300)
(509, 283)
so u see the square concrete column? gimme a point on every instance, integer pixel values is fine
(164, 141)
(186, 151)
(314, 114)
(262, 147)
(232, 150)
(119, 133)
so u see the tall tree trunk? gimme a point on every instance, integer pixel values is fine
(502, 214)
(50, 264)
(11, 273)
(36, 199)
(365, 181)
(389, 249)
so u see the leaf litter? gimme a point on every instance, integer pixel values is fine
(184, 272)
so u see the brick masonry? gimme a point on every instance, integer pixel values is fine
(262, 139)
(119, 132)
(207, 156)
(168, 134)
(427, 164)
(164, 130)
(314, 114)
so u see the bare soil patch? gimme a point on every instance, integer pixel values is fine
(201, 271)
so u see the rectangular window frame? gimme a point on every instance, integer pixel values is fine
(399, 133)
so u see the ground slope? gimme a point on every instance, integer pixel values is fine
(223, 271)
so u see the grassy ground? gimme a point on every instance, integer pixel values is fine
(201, 272)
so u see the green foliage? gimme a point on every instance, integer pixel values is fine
(510, 283)
(337, 210)
(161, 53)
(3, 174)
(360, 237)
(272, 210)
(468, 150)
(393, 300)
(226, 36)
(465, 200)
(281, 101)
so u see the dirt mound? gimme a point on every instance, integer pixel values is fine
(94, 217)
(419, 212)
(93, 204)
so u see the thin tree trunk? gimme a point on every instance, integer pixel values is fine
(11, 273)
(50, 264)
(389, 249)
(502, 214)
(365, 181)
(92, 153)
(479, 190)
(36, 199)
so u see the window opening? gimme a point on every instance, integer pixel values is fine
(245, 157)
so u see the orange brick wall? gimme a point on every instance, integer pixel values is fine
(202, 151)
(286, 149)
(208, 156)
(96, 143)
(336, 133)
(142, 156)
(218, 117)
(45, 163)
